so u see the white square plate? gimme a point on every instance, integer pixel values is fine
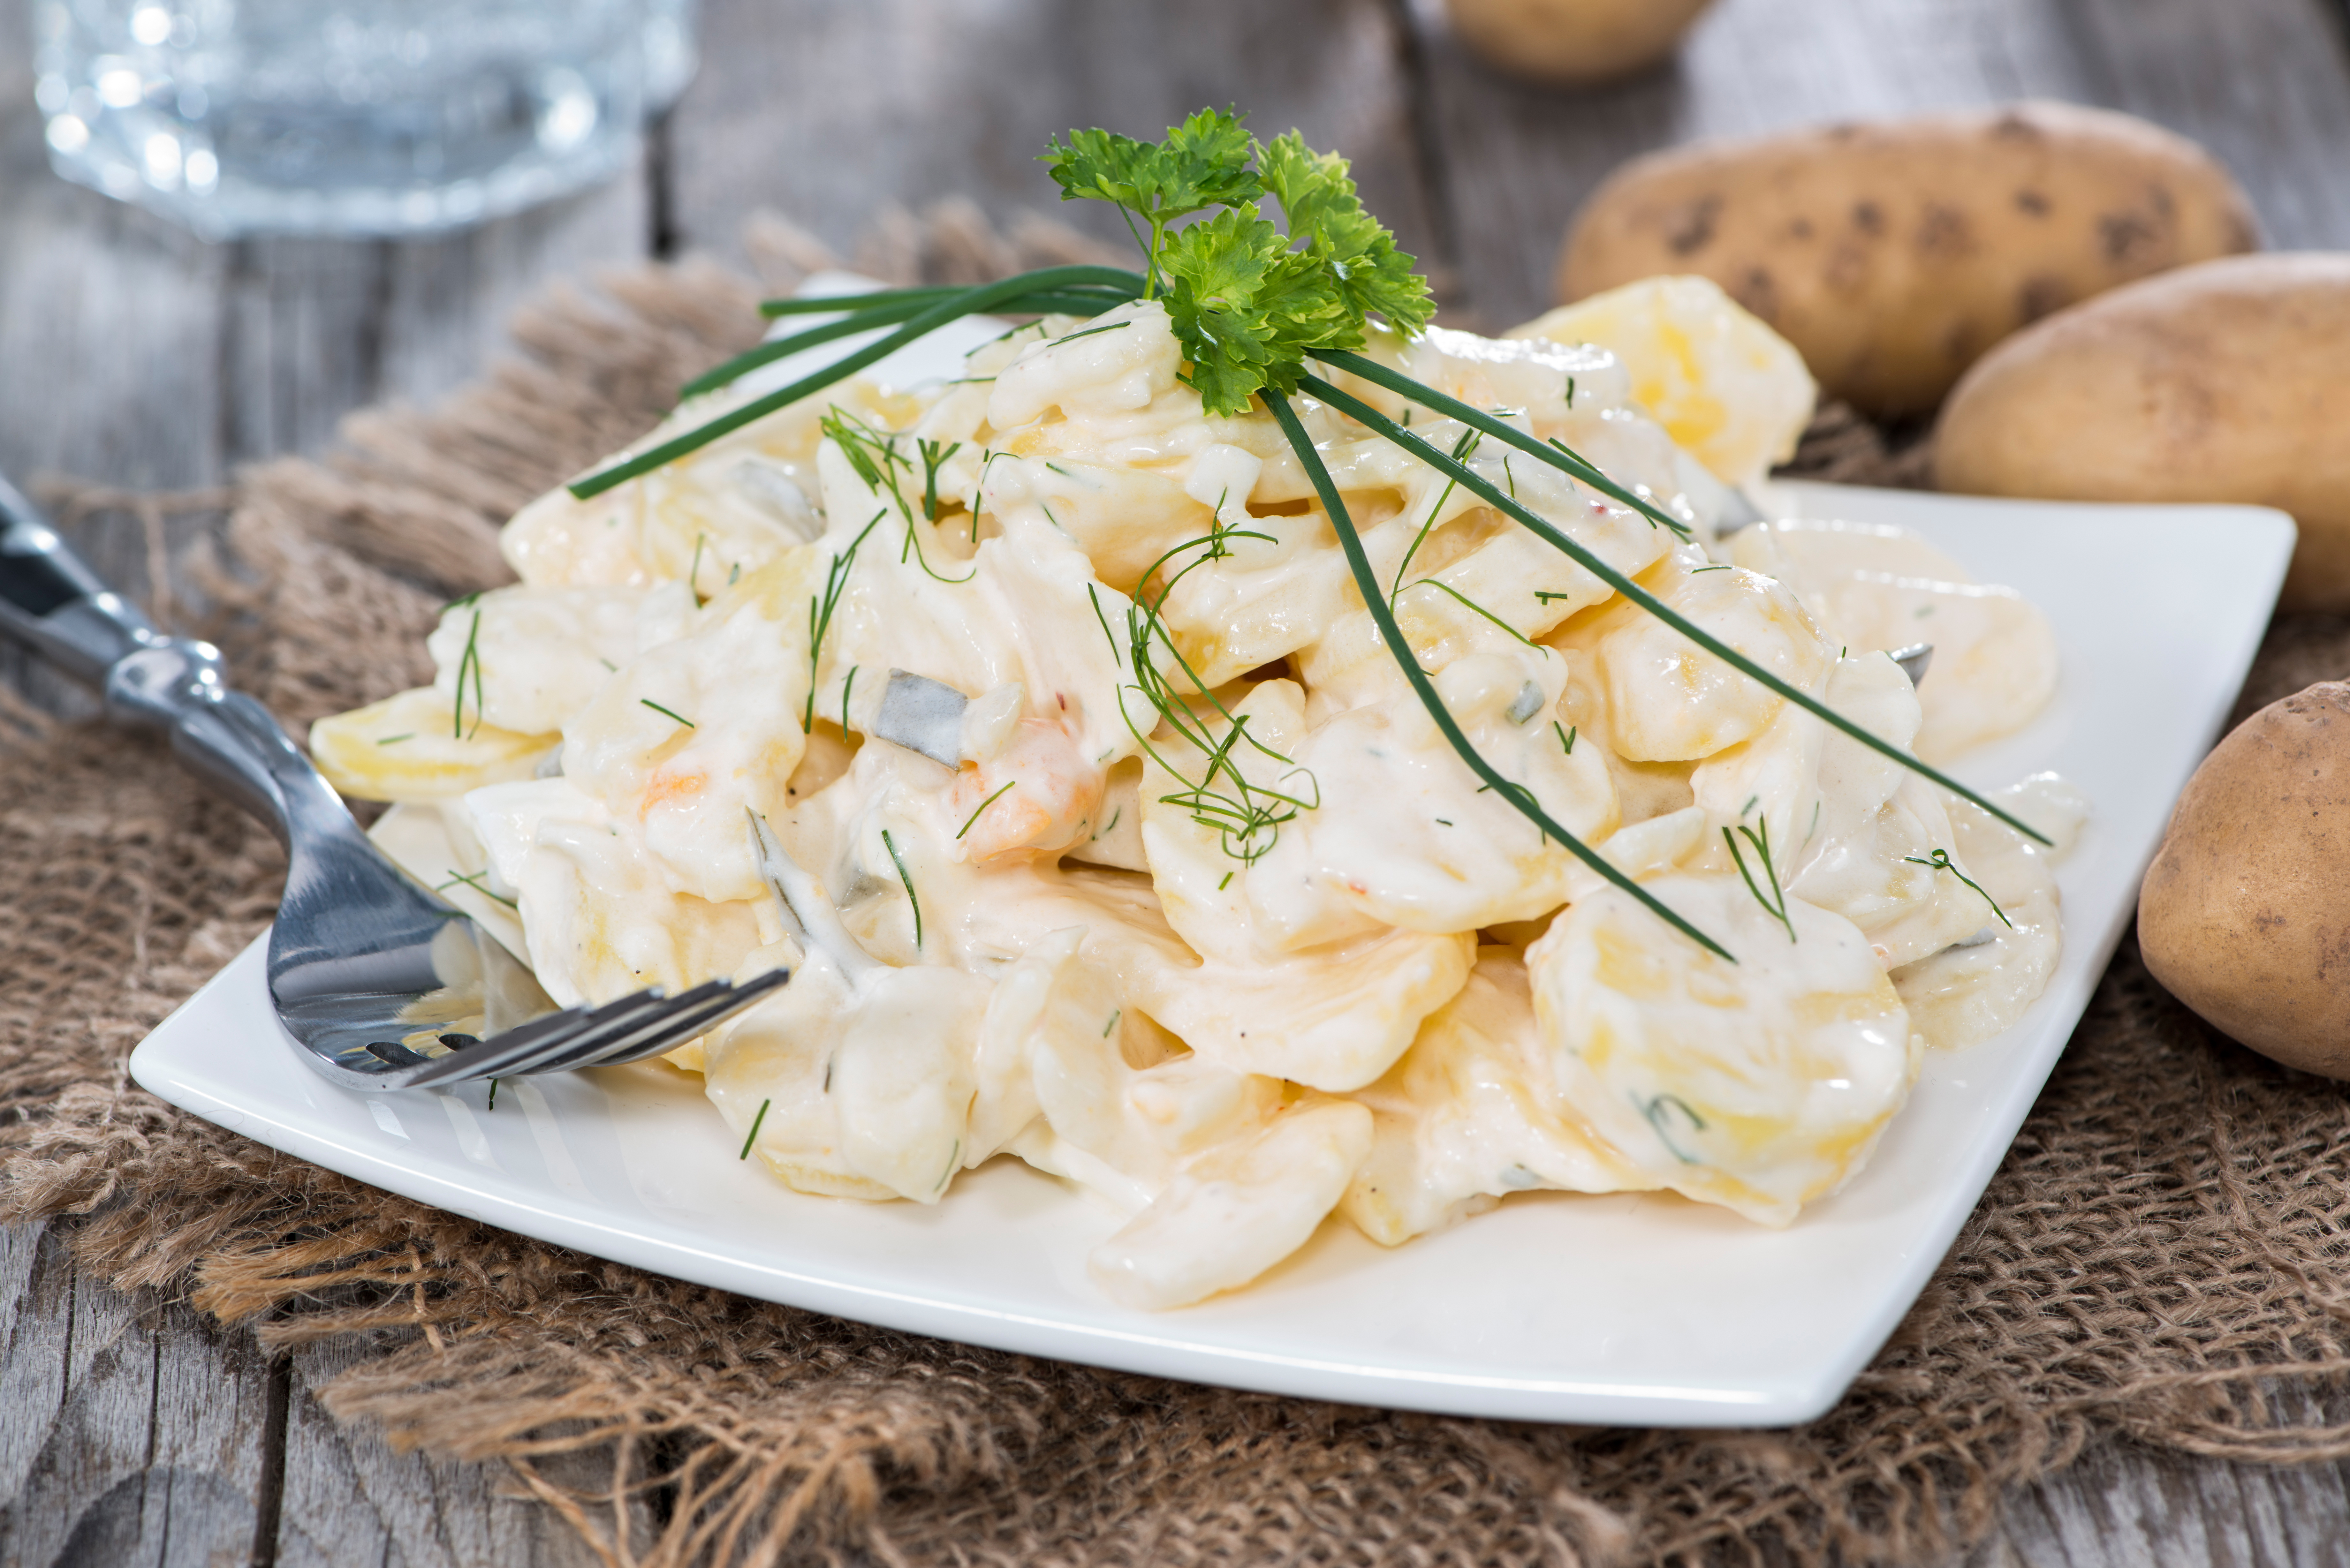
(1631, 1309)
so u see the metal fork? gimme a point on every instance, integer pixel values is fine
(385, 985)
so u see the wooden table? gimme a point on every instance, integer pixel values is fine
(132, 1432)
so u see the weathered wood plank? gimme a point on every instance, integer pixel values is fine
(828, 109)
(134, 1432)
(32, 1364)
(2264, 83)
(109, 344)
(151, 1452)
(109, 331)
(315, 328)
(349, 1498)
(2126, 1507)
(445, 302)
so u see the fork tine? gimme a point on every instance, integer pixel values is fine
(529, 1050)
(500, 1055)
(677, 1020)
(644, 1023)
(687, 1022)
(595, 1033)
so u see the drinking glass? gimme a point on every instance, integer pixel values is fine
(351, 117)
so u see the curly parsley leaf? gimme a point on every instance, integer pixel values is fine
(1247, 309)
(1249, 304)
(1202, 163)
(1319, 201)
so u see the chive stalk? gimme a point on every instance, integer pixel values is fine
(950, 308)
(1359, 562)
(1356, 409)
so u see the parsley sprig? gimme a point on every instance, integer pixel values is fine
(1250, 303)
(1202, 163)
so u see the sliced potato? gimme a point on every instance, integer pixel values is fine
(1731, 392)
(411, 747)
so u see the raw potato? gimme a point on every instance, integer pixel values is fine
(1894, 254)
(2245, 913)
(2218, 382)
(1570, 42)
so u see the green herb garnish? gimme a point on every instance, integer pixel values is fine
(983, 805)
(1655, 1111)
(1444, 588)
(814, 304)
(1554, 452)
(1009, 293)
(979, 493)
(836, 580)
(476, 881)
(1776, 904)
(666, 712)
(1202, 163)
(1549, 534)
(1940, 861)
(874, 456)
(470, 662)
(1247, 817)
(1089, 332)
(903, 876)
(932, 458)
(888, 307)
(1359, 562)
(1463, 450)
(1249, 302)
(753, 1135)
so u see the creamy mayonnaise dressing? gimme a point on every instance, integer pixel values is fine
(1205, 915)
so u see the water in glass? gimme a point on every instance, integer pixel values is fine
(360, 116)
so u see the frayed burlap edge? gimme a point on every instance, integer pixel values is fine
(2160, 1259)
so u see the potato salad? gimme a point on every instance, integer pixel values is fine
(1033, 720)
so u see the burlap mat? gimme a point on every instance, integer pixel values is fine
(2160, 1259)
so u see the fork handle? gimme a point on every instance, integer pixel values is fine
(51, 601)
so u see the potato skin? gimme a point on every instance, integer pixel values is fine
(2244, 915)
(1572, 42)
(2220, 382)
(1893, 255)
